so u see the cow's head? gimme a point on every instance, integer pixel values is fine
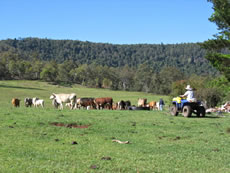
(53, 96)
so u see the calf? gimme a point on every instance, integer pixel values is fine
(15, 102)
(39, 102)
(34, 100)
(127, 104)
(121, 105)
(153, 105)
(28, 102)
(142, 102)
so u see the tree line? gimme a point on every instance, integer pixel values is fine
(142, 78)
(187, 57)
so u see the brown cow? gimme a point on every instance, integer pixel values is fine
(153, 105)
(85, 102)
(15, 102)
(142, 102)
(103, 102)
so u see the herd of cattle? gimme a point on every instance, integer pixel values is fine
(71, 101)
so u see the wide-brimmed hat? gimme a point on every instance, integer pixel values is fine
(188, 87)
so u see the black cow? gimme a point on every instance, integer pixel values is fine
(28, 102)
(124, 104)
(121, 105)
(127, 104)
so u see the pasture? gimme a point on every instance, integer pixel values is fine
(51, 140)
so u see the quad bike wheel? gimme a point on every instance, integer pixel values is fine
(187, 111)
(201, 111)
(173, 110)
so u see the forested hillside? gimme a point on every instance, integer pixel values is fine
(141, 67)
(187, 57)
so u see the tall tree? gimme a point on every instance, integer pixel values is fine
(163, 81)
(49, 72)
(218, 47)
(143, 78)
(126, 76)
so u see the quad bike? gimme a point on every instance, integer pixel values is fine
(186, 108)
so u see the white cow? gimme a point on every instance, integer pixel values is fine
(34, 100)
(39, 102)
(64, 98)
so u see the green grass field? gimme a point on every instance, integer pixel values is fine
(30, 142)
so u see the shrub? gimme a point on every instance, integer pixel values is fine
(212, 96)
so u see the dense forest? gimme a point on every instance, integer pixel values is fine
(187, 57)
(155, 68)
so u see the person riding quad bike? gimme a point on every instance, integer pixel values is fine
(189, 94)
(187, 104)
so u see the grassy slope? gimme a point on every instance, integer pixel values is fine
(159, 142)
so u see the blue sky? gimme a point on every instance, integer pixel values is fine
(108, 21)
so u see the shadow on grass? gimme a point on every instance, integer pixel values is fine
(205, 117)
(18, 87)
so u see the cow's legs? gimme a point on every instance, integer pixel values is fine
(72, 104)
(61, 106)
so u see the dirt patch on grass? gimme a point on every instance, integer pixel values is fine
(228, 130)
(70, 125)
(177, 138)
(106, 158)
(94, 167)
(216, 149)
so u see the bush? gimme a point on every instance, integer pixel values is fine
(212, 96)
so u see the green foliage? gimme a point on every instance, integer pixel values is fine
(141, 67)
(126, 77)
(212, 96)
(221, 62)
(49, 72)
(221, 82)
(143, 78)
(167, 76)
(178, 88)
(187, 57)
(106, 83)
(221, 15)
(218, 49)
